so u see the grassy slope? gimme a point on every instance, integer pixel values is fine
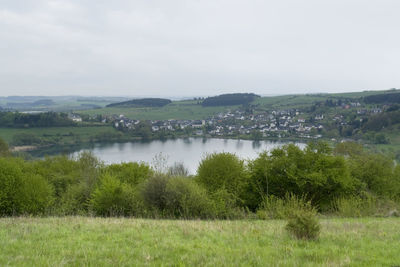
(80, 241)
(191, 110)
(175, 110)
(84, 132)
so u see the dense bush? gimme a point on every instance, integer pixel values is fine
(37, 195)
(132, 173)
(304, 225)
(22, 192)
(111, 197)
(313, 172)
(11, 183)
(153, 192)
(186, 199)
(223, 171)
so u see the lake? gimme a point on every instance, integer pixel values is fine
(189, 151)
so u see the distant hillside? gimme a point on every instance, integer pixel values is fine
(383, 98)
(229, 100)
(144, 102)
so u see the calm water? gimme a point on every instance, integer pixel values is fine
(188, 151)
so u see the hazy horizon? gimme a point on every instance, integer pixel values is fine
(197, 48)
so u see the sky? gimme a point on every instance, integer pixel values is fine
(197, 47)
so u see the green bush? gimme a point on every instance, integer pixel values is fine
(111, 197)
(225, 205)
(11, 184)
(153, 192)
(132, 173)
(73, 201)
(223, 171)
(304, 225)
(186, 199)
(277, 208)
(313, 172)
(37, 195)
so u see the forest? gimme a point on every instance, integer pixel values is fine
(144, 102)
(229, 99)
(388, 98)
(26, 120)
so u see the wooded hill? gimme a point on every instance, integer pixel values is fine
(144, 102)
(229, 100)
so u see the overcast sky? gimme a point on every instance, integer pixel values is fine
(197, 47)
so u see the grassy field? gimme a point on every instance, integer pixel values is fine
(183, 110)
(63, 132)
(77, 241)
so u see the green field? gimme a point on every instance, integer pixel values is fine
(86, 241)
(183, 110)
(62, 132)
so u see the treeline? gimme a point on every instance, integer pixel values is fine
(46, 119)
(382, 120)
(383, 98)
(229, 99)
(144, 102)
(224, 186)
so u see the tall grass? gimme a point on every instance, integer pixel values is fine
(278, 208)
(365, 206)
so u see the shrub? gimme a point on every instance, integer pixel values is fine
(277, 208)
(304, 225)
(37, 195)
(132, 173)
(153, 192)
(111, 197)
(11, 183)
(73, 201)
(186, 199)
(224, 205)
(223, 171)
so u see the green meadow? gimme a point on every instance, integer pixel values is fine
(87, 241)
(182, 110)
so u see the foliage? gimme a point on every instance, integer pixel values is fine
(4, 149)
(223, 171)
(365, 206)
(229, 100)
(45, 119)
(178, 169)
(383, 98)
(153, 192)
(132, 173)
(277, 208)
(20, 191)
(144, 102)
(11, 183)
(186, 199)
(313, 172)
(304, 225)
(37, 195)
(111, 197)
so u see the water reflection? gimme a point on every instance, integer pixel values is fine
(189, 150)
